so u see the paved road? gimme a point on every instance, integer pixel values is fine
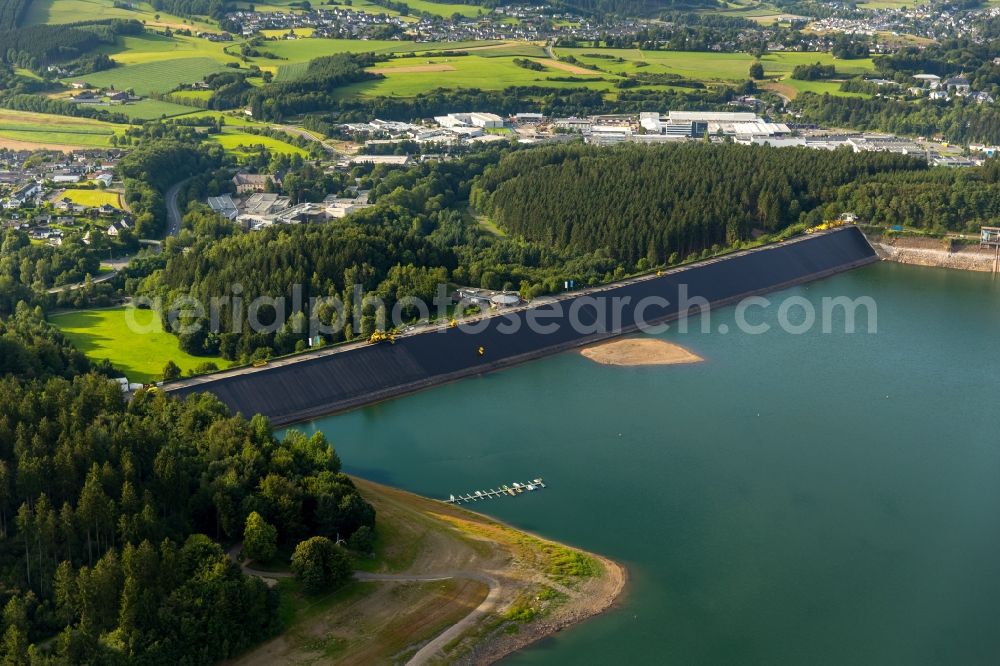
(78, 285)
(173, 210)
(116, 266)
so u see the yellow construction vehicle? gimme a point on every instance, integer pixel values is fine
(453, 323)
(482, 351)
(382, 336)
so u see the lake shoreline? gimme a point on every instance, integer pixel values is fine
(501, 645)
(446, 584)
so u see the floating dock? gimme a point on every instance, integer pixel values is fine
(512, 490)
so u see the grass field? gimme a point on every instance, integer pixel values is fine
(150, 77)
(444, 9)
(45, 128)
(820, 87)
(95, 198)
(72, 11)
(192, 94)
(149, 109)
(242, 143)
(492, 68)
(409, 76)
(709, 66)
(141, 355)
(150, 47)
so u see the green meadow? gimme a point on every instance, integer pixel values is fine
(154, 77)
(150, 109)
(141, 355)
(95, 198)
(291, 51)
(409, 76)
(444, 8)
(708, 65)
(43, 128)
(244, 143)
(73, 11)
(151, 47)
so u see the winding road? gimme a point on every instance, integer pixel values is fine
(173, 210)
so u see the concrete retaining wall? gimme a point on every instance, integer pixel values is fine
(340, 379)
(934, 252)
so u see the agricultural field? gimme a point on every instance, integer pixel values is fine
(41, 129)
(73, 11)
(243, 143)
(492, 68)
(150, 109)
(139, 354)
(708, 66)
(151, 47)
(154, 77)
(409, 76)
(93, 198)
(818, 87)
(192, 95)
(443, 8)
(293, 51)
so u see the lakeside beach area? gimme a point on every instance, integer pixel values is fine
(638, 352)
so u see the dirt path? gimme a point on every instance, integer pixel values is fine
(434, 648)
(14, 144)
(565, 66)
(438, 591)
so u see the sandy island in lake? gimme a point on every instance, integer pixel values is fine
(639, 351)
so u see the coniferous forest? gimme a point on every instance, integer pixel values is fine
(652, 202)
(113, 514)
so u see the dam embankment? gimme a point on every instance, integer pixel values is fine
(338, 379)
(936, 252)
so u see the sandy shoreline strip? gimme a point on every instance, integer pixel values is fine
(639, 351)
(597, 597)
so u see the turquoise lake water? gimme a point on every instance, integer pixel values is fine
(794, 499)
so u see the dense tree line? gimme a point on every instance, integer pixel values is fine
(11, 13)
(315, 90)
(814, 72)
(150, 169)
(31, 349)
(959, 121)
(28, 270)
(847, 47)
(937, 199)
(37, 46)
(217, 9)
(653, 203)
(105, 506)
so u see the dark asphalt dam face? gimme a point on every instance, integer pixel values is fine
(358, 376)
